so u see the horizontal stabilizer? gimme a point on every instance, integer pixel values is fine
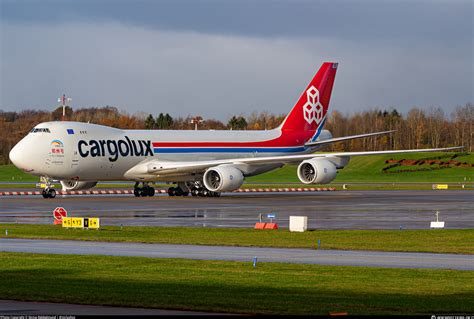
(346, 138)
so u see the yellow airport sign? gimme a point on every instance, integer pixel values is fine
(67, 222)
(93, 223)
(442, 186)
(80, 222)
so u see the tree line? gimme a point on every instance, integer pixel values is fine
(419, 128)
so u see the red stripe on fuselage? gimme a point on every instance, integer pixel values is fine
(286, 139)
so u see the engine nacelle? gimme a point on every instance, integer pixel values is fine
(316, 171)
(223, 178)
(76, 185)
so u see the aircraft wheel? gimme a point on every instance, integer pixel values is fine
(45, 194)
(178, 191)
(49, 193)
(150, 191)
(171, 191)
(136, 192)
(195, 192)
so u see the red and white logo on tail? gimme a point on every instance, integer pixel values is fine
(313, 109)
(309, 112)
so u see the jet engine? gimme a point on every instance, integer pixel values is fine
(223, 179)
(77, 185)
(316, 171)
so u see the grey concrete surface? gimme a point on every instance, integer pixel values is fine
(245, 254)
(15, 308)
(325, 210)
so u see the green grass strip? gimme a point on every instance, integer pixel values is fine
(235, 287)
(369, 169)
(438, 241)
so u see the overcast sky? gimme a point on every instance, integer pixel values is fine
(219, 58)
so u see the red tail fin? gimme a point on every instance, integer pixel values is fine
(310, 111)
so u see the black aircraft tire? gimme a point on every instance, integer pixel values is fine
(151, 191)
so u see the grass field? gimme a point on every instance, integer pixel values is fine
(369, 169)
(360, 169)
(438, 241)
(234, 287)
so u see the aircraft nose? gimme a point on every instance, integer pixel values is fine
(17, 155)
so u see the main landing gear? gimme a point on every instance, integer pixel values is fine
(204, 192)
(195, 188)
(143, 191)
(48, 191)
(177, 191)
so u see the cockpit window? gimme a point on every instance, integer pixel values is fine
(38, 129)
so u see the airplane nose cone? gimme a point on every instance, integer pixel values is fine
(17, 155)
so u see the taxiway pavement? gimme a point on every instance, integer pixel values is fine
(245, 254)
(325, 210)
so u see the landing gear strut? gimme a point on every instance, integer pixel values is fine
(143, 191)
(48, 191)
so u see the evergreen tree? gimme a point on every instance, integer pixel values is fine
(237, 123)
(150, 122)
(241, 123)
(159, 121)
(232, 124)
(167, 121)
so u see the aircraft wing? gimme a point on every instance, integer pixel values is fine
(165, 168)
(346, 138)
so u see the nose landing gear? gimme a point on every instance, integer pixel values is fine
(48, 191)
(143, 191)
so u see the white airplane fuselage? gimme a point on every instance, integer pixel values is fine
(89, 152)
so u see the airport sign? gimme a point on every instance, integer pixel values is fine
(80, 222)
(59, 213)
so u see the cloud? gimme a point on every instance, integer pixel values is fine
(184, 72)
